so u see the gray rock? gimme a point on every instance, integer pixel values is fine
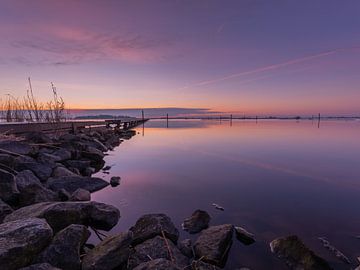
(156, 248)
(31, 190)
(296, 255)
(185, 247)
(80, 195)
(59, 215)
(244, 236)
(93, 154)
(8, 190)
(198, 221)
(72, 183)
(62, 154)
(63, 195)
(5, 210)
(62, 171)
(42, 171)
(115, 181)
(17, 147)
(78, 164)
(158, 264)
(64, 249)
(89, 171)
(38, 137)
(150, 225)
(7, 160)
(214, 244)
(199, 265)
(40, 266)
(21, 241)
(47, 158)
(111, 253)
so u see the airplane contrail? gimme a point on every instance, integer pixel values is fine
(267, 68)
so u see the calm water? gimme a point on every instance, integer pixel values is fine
(274, 178)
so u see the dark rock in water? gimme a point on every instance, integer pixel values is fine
(106, 168)
(21, 241)
(151, 225)
(59, 215)
(62, 154)
(42, 171)
(111, 253)
(64, 249)
(198, 221)
(5, 210)
(89, 171)
(40, 266)
(199, 265)
(185, 247)
(244, 236)
(17, 147)
(63, 195)
(214, 244)
(72, 183)
(47, 158)
(62, 171)
(115, 181)
(31, 190)
(8, 190)
(80, 195)
(38, 137)
(296, 255)
(156, 248)
(158, 264)
(78, 164)
(93, 154)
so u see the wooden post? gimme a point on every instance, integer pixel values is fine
(230, 120)
(319, 120)
(142, 113)
(167, 120)
(256, 118)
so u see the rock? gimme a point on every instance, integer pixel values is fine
(40, 266)
(89, 171)
(16, 147)
(296, 255)
(74, 170)
(93, 154)
(47, 158)
(214, 244)
(199, 265)
(8, 189)
(7, 160)
(185, 247)
(244, 236)
(72, 183)
(31, 190)
(4, 210)
(336, 252)
(64, 195)
(158, 264)
(78, 164)
(80, 195)
(115, 181)
(62, 171)
(42, 171)
(59, 215)
(156, 248)
(64, 249)
(106, 168)
(151, 225)
(111, 253)
(21, 241)
(62, 154)
(38, 137)
(198, 221)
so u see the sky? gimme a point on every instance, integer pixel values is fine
(242, 56)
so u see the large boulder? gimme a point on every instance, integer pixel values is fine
(62, 154)
(150, 225)
(5, 210)
(64, 249)
(198, 221)
(16, 147)
(21, 241)
(214, 244)
(38, 137)
(78, 164)
(93, 154)
(296, 255)
(111, 253)
(245, 237)
(157, 247)
(40, 266)
(31, 190)
(59, 215)
(41, 170)
(62, 171)
(80, 195)
(72, 183)
(158, 264)
(185, 247)
(8, 189)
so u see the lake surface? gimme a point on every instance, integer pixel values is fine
(275, 178)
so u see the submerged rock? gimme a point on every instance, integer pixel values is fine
(296, 255)
(5, 210)
(151, 225)
(111, 253)
(198, 221)
(244, 236)
(80, 195)
(72, 183)
(214, 244)
(158, 264)
(40, 266)
(8, 190)
(64, 249)
(59, 215)
(21, 241)
(115, 181)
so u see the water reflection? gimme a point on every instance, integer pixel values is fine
(273, 177)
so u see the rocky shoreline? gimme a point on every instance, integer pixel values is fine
(46, 215)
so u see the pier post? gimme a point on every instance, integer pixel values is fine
(167, 120)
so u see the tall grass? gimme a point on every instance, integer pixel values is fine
(29, 109)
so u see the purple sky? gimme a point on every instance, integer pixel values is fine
(253, 57)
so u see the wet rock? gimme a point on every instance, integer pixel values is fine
(244, 236)
(78, 164)
(42, 171)
(63, 195)
(151, 225)
(62, 171)
(158, 264)
(5, 210)
(21, 241)
(115, 181)
(111, 253)
(62, 154)
(156, 248)
(31, 190)
(40, 266)
(59, 215)
(296, 255)
(80, 195)
(72, 183)
(214, 244)
(17, 148)
(89, 171)
(198, 221)
(8, 189)
(106, 168)
(64, 249)
(93, 154)
(185, 247)
(199, 265)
